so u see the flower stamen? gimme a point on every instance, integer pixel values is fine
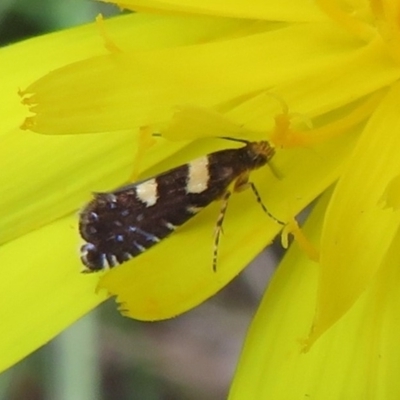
(293, 228)
(286, 137)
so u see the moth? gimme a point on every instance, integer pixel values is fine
(124, 223)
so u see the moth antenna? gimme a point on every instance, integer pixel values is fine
(234, 139)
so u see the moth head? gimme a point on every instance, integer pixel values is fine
(260, 153)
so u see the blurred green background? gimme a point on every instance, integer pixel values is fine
(104, 355)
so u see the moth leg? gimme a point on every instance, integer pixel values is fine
(218, 226)
(242, 183)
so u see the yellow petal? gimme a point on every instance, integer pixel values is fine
(104, 93)
(354, 359)
(320, 90)
(177, 274)
(41, 288)
(44, 179)
(358, 229)
(53, 178)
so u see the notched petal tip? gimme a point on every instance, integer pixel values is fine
(307, 342)
(28, 99)
(22, 94)
(29, 124)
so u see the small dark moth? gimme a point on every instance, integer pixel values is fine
(122, 224)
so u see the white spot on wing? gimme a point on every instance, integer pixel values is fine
(146, 192)
(170, 226)
(139, 247)
(198, 176)
(127, 256)
(193, 210)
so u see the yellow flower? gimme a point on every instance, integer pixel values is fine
(323, 330)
